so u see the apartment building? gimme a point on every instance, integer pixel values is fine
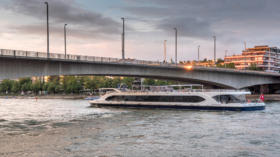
(263, 57)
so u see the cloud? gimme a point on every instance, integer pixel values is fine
(203, 18)
(186, 26)
(64, 11)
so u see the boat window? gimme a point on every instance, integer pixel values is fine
(192, 99)
(225, 99)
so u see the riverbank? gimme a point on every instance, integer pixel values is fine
(45, 97)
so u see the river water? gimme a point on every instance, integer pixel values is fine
(71, 128)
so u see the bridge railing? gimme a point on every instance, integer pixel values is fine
(32, 54)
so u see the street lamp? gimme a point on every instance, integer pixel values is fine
(176, 37)
(165, 51)
(198, 49)
(215, 38)
(48, 32)
(123, 39)
(65, 50)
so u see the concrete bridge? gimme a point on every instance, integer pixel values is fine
(17, 64)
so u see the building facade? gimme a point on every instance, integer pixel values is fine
(262, 57)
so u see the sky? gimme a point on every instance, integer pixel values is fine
(94, 26)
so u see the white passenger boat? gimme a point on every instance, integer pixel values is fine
(201, 99)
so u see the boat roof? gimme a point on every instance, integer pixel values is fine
(112, 89)
(181, 85)
(177, 93)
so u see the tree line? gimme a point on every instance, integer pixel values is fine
(69, 84)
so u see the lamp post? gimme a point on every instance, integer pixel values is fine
(198, 49)
(215, 38)
(176, 38)
(123, 39)
(165, 51)
(226, 52)
(65, 48)
(48, 31)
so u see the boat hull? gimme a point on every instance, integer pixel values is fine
(183, 107)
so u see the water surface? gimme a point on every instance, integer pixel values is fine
(70, 128)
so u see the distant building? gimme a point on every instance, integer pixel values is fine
(263, 57)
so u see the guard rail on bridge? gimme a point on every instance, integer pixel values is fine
(31, 54)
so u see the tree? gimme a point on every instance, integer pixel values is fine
(108, 82)
(26, 87)
(220, 66)
(128, 81)
(15, 87)
(254, 67)
(54, 79)
(24, 81)
(90, 84)
(150, 82)
(219, 61)
(36, 87)
(230, 66)
(25, 84)
(6, 86)
(51, 87)
(100, 81)
(116, 82)
(72, 85)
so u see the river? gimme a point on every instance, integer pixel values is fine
(54, 128)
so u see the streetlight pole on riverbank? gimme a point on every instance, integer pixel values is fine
(123, 39)
(48, 31)
(198, 49)
(164, 46)
(176, 37)
(215, 38)
(65, 48)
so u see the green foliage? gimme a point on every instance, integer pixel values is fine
(150, 82)
(54, 79)
(220, 66)
(15, 87)
(51, 87)
(25, 84)
(36, 87)
(128, 81)
(6, 86)
(229, 66)
(71, 84)
(90, 84)
(116, 82)
(23, 81)
(219, 61)
(254, 67)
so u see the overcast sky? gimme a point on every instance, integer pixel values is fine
(94, 26)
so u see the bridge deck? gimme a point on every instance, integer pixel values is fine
(79, 58)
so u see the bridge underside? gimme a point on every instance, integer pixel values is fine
(13, 68)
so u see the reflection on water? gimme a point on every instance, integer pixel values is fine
(21, 115)
(71, 128)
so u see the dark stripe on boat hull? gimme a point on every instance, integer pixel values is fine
(212, 108)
